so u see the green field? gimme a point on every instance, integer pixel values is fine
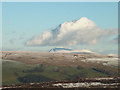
(17, 73)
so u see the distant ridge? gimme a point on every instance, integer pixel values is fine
(60, 49)
(67, 50)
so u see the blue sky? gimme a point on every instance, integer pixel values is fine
(22, 21)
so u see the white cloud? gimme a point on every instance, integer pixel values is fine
(82, 31)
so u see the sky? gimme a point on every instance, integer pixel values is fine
(28, 26)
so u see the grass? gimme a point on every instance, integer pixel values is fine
(12, 70)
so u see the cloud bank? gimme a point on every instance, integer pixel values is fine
(82, 31)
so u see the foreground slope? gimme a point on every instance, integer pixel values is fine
(28, 67)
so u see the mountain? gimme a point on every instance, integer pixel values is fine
(82, 51)
(62, 50)
(67, 50)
